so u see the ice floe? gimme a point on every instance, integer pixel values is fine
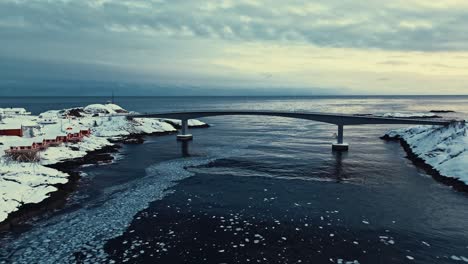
(94, 226)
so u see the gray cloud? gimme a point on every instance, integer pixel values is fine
(332, 23)
(227, 44)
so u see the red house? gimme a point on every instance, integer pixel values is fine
(62, 138)
(28, 153)
(85, 132)
(11, 132)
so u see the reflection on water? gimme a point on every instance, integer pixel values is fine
(184, 146)
(338, 166)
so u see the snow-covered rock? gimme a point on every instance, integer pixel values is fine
(118, 126)
(443, 148)
(410, 115)
(25, 183)
(191, 122)
(104, 109)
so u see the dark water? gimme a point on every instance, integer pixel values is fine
(256, 190)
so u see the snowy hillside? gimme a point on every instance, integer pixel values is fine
(443, 148)
(104, 109)
(23, 183)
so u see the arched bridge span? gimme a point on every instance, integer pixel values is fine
(337, 119)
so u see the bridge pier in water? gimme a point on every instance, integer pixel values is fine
(183, 136)
(338, 119)
(340, 145)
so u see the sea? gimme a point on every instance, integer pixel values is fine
(253, 189)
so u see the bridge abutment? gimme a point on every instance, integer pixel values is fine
(340, 145)
(183, 135)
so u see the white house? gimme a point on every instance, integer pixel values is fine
(5, 112)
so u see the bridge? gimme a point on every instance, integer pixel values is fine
(340, 120)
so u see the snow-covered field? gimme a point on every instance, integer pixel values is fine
(443, 148)
(25, 183)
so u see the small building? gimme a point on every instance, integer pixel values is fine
(11, 132)
(86, 132)
(30, 153)
(38, 145)
(74, 137)
(62, 138)
(13, 111)
(47, 121)
(20, 127)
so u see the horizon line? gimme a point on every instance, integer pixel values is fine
(304, 95)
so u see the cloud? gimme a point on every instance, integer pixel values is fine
(394, 25)
(369, 46)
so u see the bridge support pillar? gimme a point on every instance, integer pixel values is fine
(340, 145)
(183, 136)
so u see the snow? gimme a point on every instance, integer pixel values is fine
(23, 183)
(410, 115)
(443, 148)
(15, 122)
(13, 111)
(7, 141)
(118, 126)
(104, 109)
(64, 152)
(93, 226)
(191, 122)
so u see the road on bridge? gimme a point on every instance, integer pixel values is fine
(337, 119)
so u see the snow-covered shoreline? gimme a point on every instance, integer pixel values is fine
(410, 115)
(443, 149)
(31, 183)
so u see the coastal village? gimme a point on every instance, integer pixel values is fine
(31, 144)
(25, 136)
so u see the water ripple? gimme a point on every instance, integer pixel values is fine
(82, 234)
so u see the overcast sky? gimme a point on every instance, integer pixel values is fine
(326, 46)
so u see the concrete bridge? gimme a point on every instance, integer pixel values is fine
(337, 119)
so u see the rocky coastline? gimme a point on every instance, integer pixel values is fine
(456, 184)
(18, 220)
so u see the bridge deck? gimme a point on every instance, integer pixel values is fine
(337, 119)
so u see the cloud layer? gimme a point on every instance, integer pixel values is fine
(398, 25)
(197, 39)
